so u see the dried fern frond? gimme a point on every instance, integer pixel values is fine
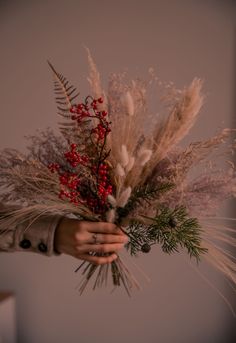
(65, 98)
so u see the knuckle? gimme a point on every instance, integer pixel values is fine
(97, 260)
(77, 255)
(104, 238)
(123, 239)
(105, 248)
(119, 239)
(79, 250)
(110, 259)
(118, 247)
(79, 239)
(81, 225)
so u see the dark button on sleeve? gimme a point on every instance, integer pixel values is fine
(42, 247)
(25, 244)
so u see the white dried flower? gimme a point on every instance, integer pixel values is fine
(128, 102)
(124, 156)
(144, 156)
(130, 164)
(124, 197)
(111, 200)
(110, 215)
(119, 170)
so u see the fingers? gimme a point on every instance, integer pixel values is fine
(103, 227)
(99, 232)
(88, 238)
(102, 245)
(80, 238)
(99, 248)
(106, 239)
(99, 259)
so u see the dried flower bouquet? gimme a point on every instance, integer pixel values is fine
(116, 162)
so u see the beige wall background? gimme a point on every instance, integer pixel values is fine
(180, 39)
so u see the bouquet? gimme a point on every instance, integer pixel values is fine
(117, 161)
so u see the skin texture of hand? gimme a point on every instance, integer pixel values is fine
(81, 239)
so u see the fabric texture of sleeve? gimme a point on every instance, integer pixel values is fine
(36, 236)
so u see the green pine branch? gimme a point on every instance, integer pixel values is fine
(144, 193)
(172, 229)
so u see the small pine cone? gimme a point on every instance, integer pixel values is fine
(145, 248)
(172, 223)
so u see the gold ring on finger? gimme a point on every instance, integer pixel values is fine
(95, 238)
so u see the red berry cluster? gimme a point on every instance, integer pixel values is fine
(91, 110)
(69, 187)
(73, 196)
(104, 187)
(54, 167)
(100, 131)
(97, 201)
(74, 157)
(95, 190)
(69, 180)
(69, 183)
(95, 102)
(81, 111)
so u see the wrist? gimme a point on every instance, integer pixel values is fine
(57, 237)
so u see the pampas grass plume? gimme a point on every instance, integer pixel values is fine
(124, 197)
(119, 170)
(128, 102)
(144, 156)
(130, 164)
(124, 156)
(110, 215)
(111, 200)
(94, 76)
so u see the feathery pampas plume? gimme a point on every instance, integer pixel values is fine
(128, 103)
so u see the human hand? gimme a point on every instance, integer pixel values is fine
(81, 238)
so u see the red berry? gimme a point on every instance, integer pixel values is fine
(73, 109)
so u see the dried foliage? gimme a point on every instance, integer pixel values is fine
(109, 165)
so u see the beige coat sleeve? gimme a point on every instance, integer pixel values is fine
(35, 237)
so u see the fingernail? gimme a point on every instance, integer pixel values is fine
(126, 239)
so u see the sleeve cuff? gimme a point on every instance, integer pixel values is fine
(37, 236)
